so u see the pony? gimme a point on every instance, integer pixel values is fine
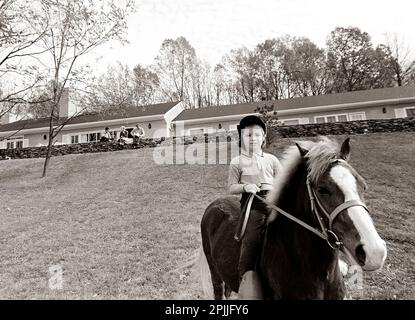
(319, 191)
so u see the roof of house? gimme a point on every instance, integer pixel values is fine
(303, 102)
(219, 111)
(124, 113)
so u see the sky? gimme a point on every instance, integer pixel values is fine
(214, 27)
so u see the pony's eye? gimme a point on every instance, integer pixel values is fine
(323, 191)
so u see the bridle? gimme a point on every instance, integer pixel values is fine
(325, 232)
(317, 207)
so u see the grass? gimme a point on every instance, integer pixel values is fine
(117, 223)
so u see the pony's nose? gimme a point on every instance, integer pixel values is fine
(371, 257)
(360, 255)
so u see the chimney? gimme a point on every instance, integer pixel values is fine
(5, 118)
(66, 106)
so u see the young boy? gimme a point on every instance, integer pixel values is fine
(252, 172)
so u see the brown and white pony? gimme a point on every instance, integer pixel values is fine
(295, 263)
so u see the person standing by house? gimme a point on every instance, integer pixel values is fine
(123, 136)
(138, 134)
(250, 173)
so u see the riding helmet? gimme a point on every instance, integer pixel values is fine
(250, 121)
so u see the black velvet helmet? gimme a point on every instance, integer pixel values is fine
(250, 121)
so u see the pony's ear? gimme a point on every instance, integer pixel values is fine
(345, 149)
(302, 150)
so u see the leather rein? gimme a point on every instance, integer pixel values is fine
(325, 232)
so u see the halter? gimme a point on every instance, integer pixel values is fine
(316, 207)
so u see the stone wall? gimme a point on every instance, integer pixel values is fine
(59, 150)
(306, 130)
(350, 127)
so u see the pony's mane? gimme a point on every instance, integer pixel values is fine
(319, 157)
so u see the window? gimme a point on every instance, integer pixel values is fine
(74, 139)
(331, 118)
(410, 112)
(92, 137)
(342, 118)
(149, 126)
(45, 137)
(14, 142)
(320, 120)
(357, 116)
(290, 122)
(87, 137)
(220, 126)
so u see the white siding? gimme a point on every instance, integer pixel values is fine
(66, 139)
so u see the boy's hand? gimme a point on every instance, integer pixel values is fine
(251, 188)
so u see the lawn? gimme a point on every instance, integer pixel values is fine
(118, 225)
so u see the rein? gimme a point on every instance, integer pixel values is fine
(325, 233)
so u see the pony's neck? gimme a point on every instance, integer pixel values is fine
(306, 245)
(293, 254)
(294, 197)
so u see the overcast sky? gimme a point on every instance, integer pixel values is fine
(214, 27)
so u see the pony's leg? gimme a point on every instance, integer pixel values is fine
(228, 291)
(217, 283)
(216, 279)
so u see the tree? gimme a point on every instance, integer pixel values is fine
(174, 65)
(201, 82)
(382, 72)
(353, 62)
(270, 73)
(349, 58)
(221, 85)
(146, 85)
(270, 117)
(19, 73)
(120, 87)
(308, 71)
(245, 65)
(112, 91)
(39, 104)
(74, 29)
(403, 64)
(224, 83)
